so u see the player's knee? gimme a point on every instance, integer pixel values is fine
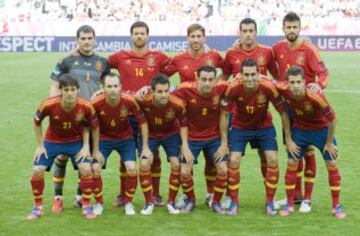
(85, 169)
(130, 167)
(96, 168)
(145, 164)
(185, 172)
(292, 161)
(38, 171)
(234, 161)
(174, 163)
(221, 169)
(331, 163)
(272, 161)
(62, 158)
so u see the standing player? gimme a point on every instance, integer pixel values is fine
(87, 68)
(67, 134)
(202, 99)
(314, 124)
(265, 60)
(136, 68)
(252, 122)
(186, 64)
(297, 51)
(113, 109)
(165, 114)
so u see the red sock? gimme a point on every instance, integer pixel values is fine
(272, 178)
(309, 173)
(188, 188)
(298, 186)
(130, 187)
(233, 184)
(37, 186)
(219, 188)
(156, 174)
(98, 189)
(210, 173)
(290, 182)
(87, 186)
(146, 185)
(123, 175)
(335, 184)
(174, 183)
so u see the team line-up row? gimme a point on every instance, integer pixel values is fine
(193, 118)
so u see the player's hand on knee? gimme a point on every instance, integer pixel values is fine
(187, 154)
(146, 153)
(332, 150)
(83, 154)
(99, 157)
(220, 153)
(40, 150)
(293, 149)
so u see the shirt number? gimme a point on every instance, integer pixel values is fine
(139, 72)
(67, 125)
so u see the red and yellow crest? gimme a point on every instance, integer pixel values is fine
(300, 59)
(216, 100)
(124, 111)
(99, 66)
(79, 116)
(261, 60)
(308, 107)
(150, 61)
(170, 114)
(261, 98)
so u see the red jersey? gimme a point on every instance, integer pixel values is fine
(65, 126)
(165, 120)
(114, 121)
(251, 111)
(305, 55)
(312, 112)
(137, 71)
(262, 54)
(187, 65)
(203, 112)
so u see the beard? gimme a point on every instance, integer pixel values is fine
(291, 37)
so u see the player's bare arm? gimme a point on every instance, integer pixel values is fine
(185, 145)
(146, 152)
(223, 149)
(330, 146)
(290, 144)
(40, 149)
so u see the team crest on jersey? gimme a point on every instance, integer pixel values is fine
(124, 112)
(79, 116)
(216, 100)
(308, 107)
(300, 59)
(170, 114)
(150, 61)
(261, 98)
(261, 60)
(99, 66)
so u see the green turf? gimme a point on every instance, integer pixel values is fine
(24, 82)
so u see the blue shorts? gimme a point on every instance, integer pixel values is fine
(125, 148)
(171, 145)
(54, 149)
(304, 138)
(210, 146)
(265, 139)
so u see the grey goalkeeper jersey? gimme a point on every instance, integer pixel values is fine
(88, 70)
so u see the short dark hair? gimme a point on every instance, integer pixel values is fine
(248, 63)
(194, 27)
(291, 17)
(85, 29)
(159, 79)
(206, 68)
(247, 21)
(139, 24)
(294, 71)
(68, 80)
(111, 74)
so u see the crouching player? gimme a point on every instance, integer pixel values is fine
(252, 122)
(67, 134)
(202, 99)
(113, 109)
(165, 113)
(314, 124)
